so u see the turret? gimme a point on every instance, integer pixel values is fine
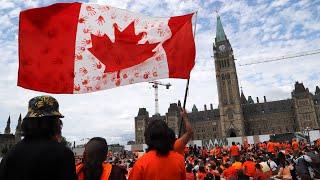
(18, 130)
(243, 98)
(7, 130)
(250, 100)
(194, 108)
(317, 92)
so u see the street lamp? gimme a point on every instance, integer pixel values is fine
(307, 130)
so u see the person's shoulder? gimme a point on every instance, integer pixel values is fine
(176, 155)
(144, 158)
(60, 148)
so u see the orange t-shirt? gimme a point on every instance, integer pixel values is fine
(152, 165)
(234, 150)
(295, 145)
(179, 146)
(270, 147)
(212, 152)
(250, 168)
(204, 153)
(231, 171)
(106, 170)
(237, 165)
(189, 176)
(218, 151)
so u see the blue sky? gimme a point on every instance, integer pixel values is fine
(256, 29)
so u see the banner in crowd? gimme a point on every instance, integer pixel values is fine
(80, 48)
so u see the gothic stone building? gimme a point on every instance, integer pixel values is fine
(237, 115)
(8, 139)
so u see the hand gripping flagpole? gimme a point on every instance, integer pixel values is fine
(187, 85)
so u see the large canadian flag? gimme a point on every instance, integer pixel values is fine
(80, 48)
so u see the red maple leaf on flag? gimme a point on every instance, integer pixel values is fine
(124, 52)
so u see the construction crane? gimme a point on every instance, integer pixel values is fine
(155, 85)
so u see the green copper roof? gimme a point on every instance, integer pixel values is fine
(220, 35)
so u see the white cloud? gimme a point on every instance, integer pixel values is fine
(123, 4)
(279, 3)
(6, 4)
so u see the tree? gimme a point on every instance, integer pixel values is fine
(4, 150)
(65, 142)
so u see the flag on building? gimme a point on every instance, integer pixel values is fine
(79, 48)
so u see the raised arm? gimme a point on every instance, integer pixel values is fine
(184, 139)
(189, 131)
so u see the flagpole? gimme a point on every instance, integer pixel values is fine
(188, 81)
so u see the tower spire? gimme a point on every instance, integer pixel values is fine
(317, 90)
(220, 35)
(18, 130)
(7, 129)
(243, 98)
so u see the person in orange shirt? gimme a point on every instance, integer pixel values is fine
(295, 147)
(271, 148)
(229, 172)
(160, 161)
(295, 144)
(180, 144)
(237, 165)
(217, 150)
(212, 152)
(201, 173)
(264, 146)
(288, 148)
(234, 152)
(204, 153)
(94, 167)
(249, 167)
(317, 143)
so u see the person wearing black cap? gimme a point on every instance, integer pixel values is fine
(39, 155)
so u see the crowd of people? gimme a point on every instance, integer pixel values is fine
(40, 155)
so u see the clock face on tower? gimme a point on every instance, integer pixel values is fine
(222, 48)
